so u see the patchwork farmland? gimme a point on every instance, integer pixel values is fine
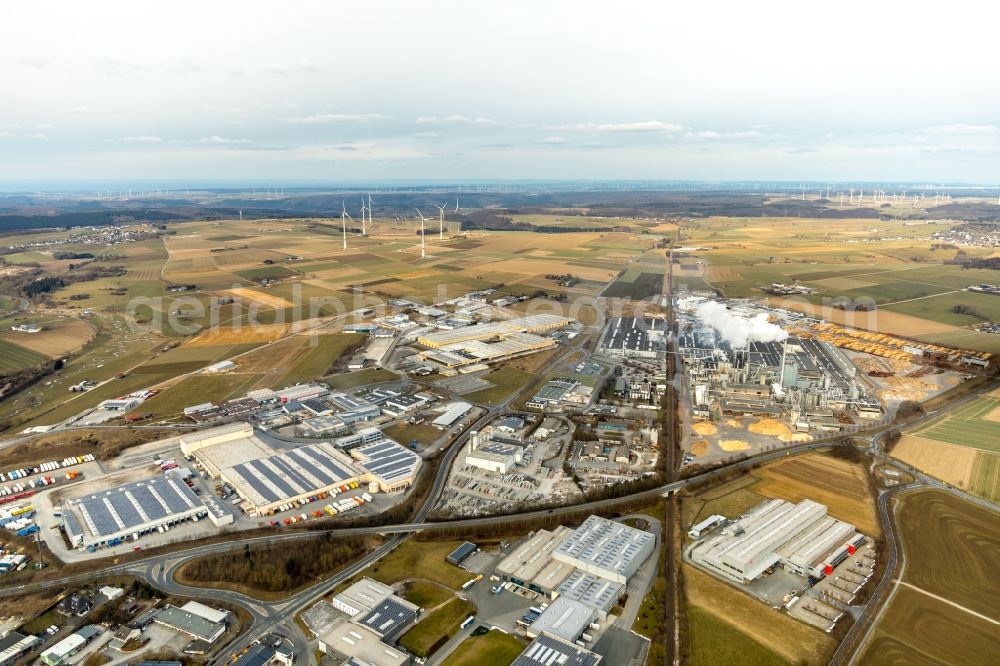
(944, 611)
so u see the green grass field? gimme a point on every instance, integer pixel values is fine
(16, 357)
(507, 380)
(939, 308)
(197, 389)
(424, 433)
(966, 426)
(493, 649)
(425, 594)
(714, 642)
(985, 480)
(423, 559)
(436, 628)
(637, 286)
(322, 352)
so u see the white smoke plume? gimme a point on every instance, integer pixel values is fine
(738, 330)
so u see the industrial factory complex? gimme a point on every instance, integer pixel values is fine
(583, 571)
(801, 538)
(267, 479)
(490, 342)
(738, 363)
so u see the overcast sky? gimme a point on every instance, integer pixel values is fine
(450, 90)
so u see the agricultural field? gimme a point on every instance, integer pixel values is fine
(975, 425)
(840, 485)
(957, 559)
(15, 357)
(949, 462)
(985, 480)
(944, 611)
(57, 339)
(723, 619)
(914, 290)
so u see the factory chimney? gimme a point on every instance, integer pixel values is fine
(781, 370)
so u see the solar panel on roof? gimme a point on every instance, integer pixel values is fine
(321, 457)
(125, 509)
(249, 475)
(316, 470)
(294, 476)
(266, 472)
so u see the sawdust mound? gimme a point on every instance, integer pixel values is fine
(905, 388)
(704, 428)
(733, 445)
(734, 423)
(771, 427)
(795, 437)
(699, 448)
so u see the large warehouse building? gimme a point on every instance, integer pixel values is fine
(130, 511)
(268, 479)
(289, 476)
(635, 337)
(607, 549)
(538, 323)
(585, 571)
(800, 537)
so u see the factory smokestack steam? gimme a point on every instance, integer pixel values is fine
(739, 331)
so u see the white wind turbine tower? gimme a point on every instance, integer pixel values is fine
(343, 221)
(370, 209)
(364, 229)
(456, 204)
(423, 237)
(241, 214)
(440, 221)
(852, 196)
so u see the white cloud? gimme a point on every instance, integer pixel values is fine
(641, 126)
(457, 120)
(221, 140)
(962, 129)
(710, 135)
(142, 139)
(7, 135)
(554, 140)
(330, 118)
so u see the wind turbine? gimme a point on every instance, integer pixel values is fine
(456, 204)
(440, 221)
(364, 229)
(423, 252)
(241, 214)
(343, 220)
(370, 209)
